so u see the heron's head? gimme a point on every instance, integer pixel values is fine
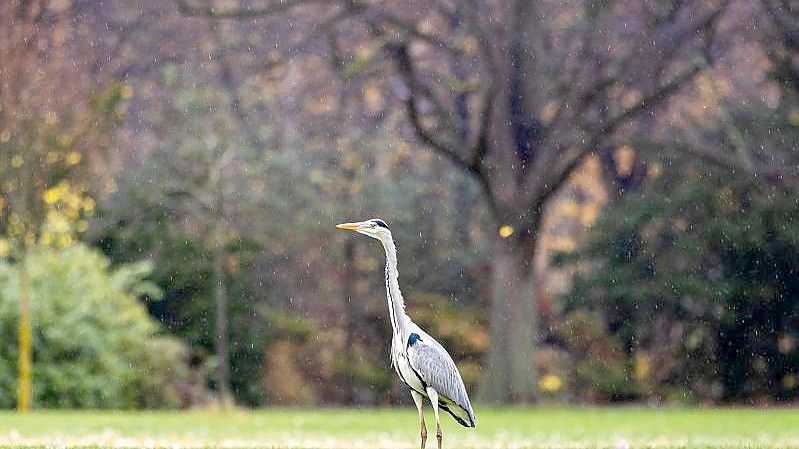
(374, 228)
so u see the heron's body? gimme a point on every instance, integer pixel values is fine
(422, 354)
(419, 360)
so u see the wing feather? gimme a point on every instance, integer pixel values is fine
(437, 369)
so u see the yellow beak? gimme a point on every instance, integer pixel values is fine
(348, 226)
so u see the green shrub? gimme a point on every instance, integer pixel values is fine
(696, 281)
(94, 345)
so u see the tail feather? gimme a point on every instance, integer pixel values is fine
(463, 416)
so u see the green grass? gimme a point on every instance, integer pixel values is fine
(397, 428)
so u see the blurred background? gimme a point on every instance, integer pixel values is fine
(594, 201)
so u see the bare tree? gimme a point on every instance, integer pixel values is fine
(747, 142)
(516, 94)
(204, 172)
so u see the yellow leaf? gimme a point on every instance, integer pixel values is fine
(88, 205)
(64, 140)
(51, 195)
(625, 157)
(642, 366)
(549, 111)
(73, 158)
(505, 231)
(127, 92)
(64, 240)
(52, 157)
(373, 97)
(550, 383)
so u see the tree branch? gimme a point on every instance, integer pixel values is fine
(408, 74)
(480, 144)
(412, 29)
(306, 41)
(243, 13)
(447, 149)
(652, 99)
(578, 153)
(285, 5)
(234, 97)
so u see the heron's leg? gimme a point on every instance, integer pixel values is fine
(433, 395)
(418, 399)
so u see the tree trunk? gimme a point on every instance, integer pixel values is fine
(348, 283)
(25, 386)
(221, 345)
(464, 199)
(523, 330)
(511, 370)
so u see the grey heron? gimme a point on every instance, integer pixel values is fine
(419, 360)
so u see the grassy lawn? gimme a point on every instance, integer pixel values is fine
(615, 428)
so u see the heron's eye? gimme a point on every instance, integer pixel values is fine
(374, 225)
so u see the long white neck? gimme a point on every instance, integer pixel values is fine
(396, 305)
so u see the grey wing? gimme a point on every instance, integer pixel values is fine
(435, 367)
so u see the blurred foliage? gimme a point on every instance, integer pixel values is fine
(94, 344)
(597, 365)
(284, 260)
(306, 362)
(698, 282)
(461, 328)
